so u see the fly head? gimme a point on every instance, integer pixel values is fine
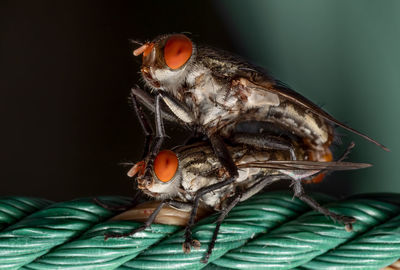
(165, 177)
(166, 61)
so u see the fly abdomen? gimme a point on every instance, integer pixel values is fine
(301, 123)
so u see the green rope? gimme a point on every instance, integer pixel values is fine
(268, 231)
(13, 209)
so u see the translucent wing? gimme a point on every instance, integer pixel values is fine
(263, 82)
(299, 170)
(305, 165)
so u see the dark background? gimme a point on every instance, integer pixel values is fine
(66, 68)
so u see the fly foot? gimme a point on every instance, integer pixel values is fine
(196, 244)
(189, 242)
(347, 221)
(187, 246)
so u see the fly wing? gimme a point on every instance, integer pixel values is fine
(266, 83)
(305, 165)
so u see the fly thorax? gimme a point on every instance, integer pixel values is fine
(211, 98)
(211, 199)
(192, 175)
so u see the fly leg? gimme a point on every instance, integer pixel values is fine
(147, 224)
(221, 217)
(225, 158)
(196, 136)
(347, 152)
(148, 101)
(300, 193)
(239, 197)
(342, 157)
(179, 109)
(189, 242)
(223, 155)
(158, 140)
(148, 132)
(265, 141)
(144, 123)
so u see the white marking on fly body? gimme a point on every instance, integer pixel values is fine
(213, 199)
(204, 87)
(291, 122)
(196, 73)
(170, 79)
(261, 98)
(246, 173)
(322, 133)
(192, 181)
(306, 130)
(243, 175)
(164, 190)
(299, 174)
(310, 126)
(214, 114)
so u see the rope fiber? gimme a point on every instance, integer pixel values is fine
(268, 231)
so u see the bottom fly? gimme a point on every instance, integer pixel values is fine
(189, 177)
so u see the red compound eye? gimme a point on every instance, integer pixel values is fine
(165, 165)
(177, 51)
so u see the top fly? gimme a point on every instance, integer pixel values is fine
(215, 90)
(218, 94)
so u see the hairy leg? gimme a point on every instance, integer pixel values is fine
(145, 124)
(265, 141)
(189, 242)
(240, 196)
(147, 224)
(300, 193)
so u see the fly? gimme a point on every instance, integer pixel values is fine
(215, 90)
(180, 174)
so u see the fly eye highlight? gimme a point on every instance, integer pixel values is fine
(165, 165)
(177, 51)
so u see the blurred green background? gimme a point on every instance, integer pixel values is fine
(344, 56)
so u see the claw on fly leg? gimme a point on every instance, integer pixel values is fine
(147, 224)
(300, 193)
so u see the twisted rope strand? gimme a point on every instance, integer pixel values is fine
(299, 241)
(41, 231)
(13, 209)
(257, 215)
(268, 231)
(379, 246)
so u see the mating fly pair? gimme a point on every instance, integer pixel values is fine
(228, 100)
(189, 177)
